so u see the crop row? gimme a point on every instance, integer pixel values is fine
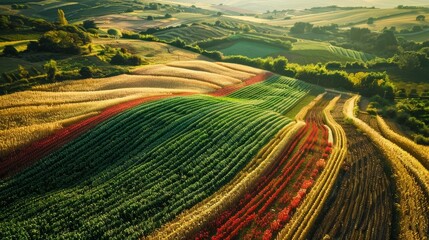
(418, 151)
(318, 195)
(137, 170)
(410, 180)
(191, 221)
(363, 184)
(15, 162)
(230, 89)
(268, 204)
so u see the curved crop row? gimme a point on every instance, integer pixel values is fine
(364, 183)
(139, 169)
(418, 151)
(303, 112)
(267, 205)
(411, 179)
(313, 203)
(14, 163)
(190, 221)
(50, 105)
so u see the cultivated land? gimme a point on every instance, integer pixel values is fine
(201, 120)
(30, 115)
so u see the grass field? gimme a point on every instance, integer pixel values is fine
(388, 17)
(152, 52)
(250, 49)
(303, 51)
(193, 33)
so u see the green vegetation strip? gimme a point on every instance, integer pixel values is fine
(140, 169)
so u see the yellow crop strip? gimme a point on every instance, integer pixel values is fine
(189, 221)
(308, 211)
(411, 179)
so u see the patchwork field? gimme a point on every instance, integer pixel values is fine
(400, 18)
(31, 115)
(113, 137)
(253, 114)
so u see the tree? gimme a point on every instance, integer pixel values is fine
(62, 41)
(219, 14)
(22, 72)
(114, 32)
(301, 27)
(10, 51)
(150, 18)
(51, 70)
(279, 64)
(387, 42)
(359, 34)
(33, 46)
(86, 72)
(420, 18)
(62, 18)
(408, 61)
(371, 20)
(167, 15)
(87, 24)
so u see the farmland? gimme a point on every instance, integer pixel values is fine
(206, 120)
(26, 116)
(251, 133)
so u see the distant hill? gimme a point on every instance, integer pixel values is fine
(258, 5)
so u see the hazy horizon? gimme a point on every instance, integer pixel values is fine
(260, 6)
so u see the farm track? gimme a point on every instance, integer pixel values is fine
(267, 206)
(361, 206)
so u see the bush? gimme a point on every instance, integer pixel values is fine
(51, 70)
(126, 59)
(333, 65)
(86, 72)
(419, 139)
(87, 24)
(114, 32)
(10, 51)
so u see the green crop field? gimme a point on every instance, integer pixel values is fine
(250, 49)
(159, 119)
(161, 158)
(386, 17)
(193, 33)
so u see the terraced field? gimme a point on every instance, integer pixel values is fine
(129, 185)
